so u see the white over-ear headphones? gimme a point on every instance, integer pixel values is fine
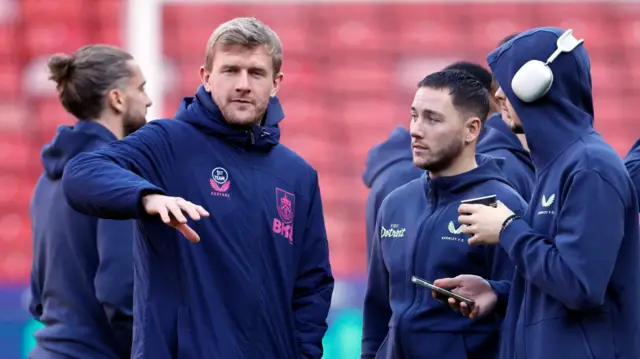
(534, 79)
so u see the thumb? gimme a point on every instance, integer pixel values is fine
(448, 283)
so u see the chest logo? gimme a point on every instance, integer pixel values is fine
(286, 206)
(453, 229)
(547, 202)
(220, 182)
(455, 233)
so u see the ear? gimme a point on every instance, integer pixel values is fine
(277, 81)
(473, 127)
(116, 100)
(204, 78)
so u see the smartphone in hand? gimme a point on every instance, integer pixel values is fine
(490, 200)
(441, 293)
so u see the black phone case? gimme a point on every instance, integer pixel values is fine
(487, 201)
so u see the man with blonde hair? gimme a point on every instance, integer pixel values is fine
(254, 279)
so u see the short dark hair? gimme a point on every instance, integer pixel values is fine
(84, 78)
(507, 39)
(467, 93)
(478, 71)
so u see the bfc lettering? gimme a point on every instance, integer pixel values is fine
(283, 229)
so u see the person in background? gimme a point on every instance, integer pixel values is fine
(576, 289)
(503, 115)
(82, 271)
(259, 283)
(632, 162)
(417, 232)
(389, 166)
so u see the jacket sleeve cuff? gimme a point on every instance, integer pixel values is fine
(509, 236)
(502, 289)
(144, 191)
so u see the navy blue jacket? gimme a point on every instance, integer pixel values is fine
(632, 161)
(259, 283)
(577, 284)
(499, 141)
(389, 166)
(417, 233)
(82, 271)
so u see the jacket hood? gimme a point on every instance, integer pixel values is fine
(68, 142)
(497, 135)
(397, 148)
(202, 112)
(565, 114)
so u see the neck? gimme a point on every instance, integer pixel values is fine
(523, 140)
(113, 124)
(462, 164)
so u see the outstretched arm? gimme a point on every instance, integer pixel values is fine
(110, 182)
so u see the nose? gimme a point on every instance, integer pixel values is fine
(242, 83)
(414, 130)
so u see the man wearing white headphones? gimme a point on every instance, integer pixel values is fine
(576, 291)
(632, 161)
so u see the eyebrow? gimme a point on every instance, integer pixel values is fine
(428, 112)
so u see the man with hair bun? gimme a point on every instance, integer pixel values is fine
(249, 277)
(82, 271)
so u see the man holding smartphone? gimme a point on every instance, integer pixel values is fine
(577, 284)
(417, 232)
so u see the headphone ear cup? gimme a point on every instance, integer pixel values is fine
(532, 81)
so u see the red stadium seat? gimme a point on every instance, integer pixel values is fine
(38, 11)
(8, 37)
(10, 80)
(54, 36)
(16, 153)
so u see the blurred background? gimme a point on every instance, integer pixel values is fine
(351, 68)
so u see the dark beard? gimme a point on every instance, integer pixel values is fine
(447, 158)
(131, 124)
(517, 129)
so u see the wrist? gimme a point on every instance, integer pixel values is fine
(507, 222)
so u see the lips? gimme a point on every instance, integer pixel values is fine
(246, 102)
(418, 148)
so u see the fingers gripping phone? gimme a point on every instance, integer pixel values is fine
(441, 293)
(490, 200)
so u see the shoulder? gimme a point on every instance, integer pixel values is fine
(597, 160)
(290, 167)
(395, 176)
(153, 130)
(291, 158)
(408, 192)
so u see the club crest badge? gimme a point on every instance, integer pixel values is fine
(286, 203)
(220, 182)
